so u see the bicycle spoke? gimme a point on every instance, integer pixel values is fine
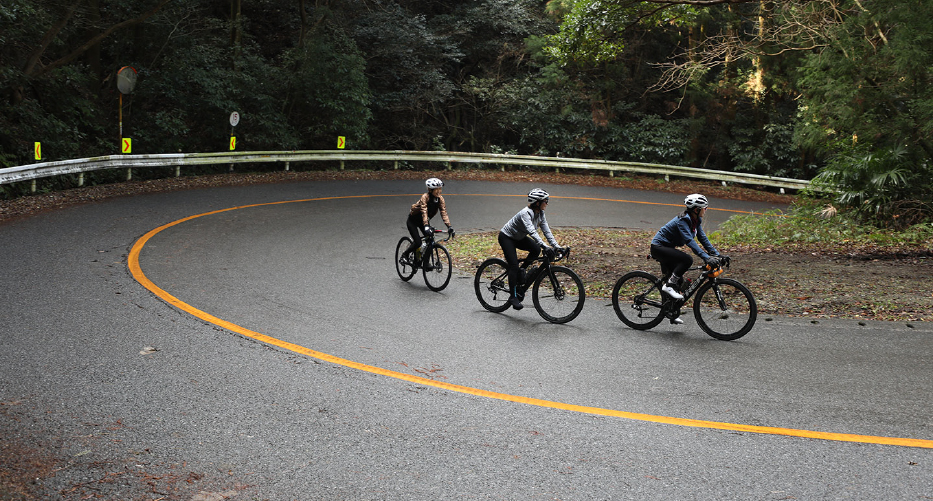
(559, 295)
(725, 309)
(637, 300)
(491, 285)
(437, 268)
(404, 267)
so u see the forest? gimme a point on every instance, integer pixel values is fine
(832, 90)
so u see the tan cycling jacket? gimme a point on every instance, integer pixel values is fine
(427, 209)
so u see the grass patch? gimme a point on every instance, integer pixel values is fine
(598, 255)
(812, 225)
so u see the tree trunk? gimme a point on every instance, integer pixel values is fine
(93, 53)
(236, 9)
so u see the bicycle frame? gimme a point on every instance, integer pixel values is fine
(430, 244)
(544, 267)
(672, 306)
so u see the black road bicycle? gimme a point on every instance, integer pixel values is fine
(724, 308)
(557, 291)
(432, 257)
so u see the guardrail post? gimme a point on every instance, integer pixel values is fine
(32, 186)
(341, 165)
(287, 166)
(80, 179)
(448, 165)
(396, 165)
(129, 174)
(177, 171)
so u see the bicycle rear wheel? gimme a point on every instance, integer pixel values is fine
(405, 270)
(725, 309)
(559, 295)
(637, 300)
(436, 268)
(491, 285)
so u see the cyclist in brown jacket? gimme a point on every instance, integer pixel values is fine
(419, 217)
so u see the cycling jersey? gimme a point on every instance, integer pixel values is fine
(678, 232)
(525, 223)
(427, 207)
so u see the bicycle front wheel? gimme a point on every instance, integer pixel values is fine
(406, 269)
(436, 268)
(637, 300)
(725, 309)
(559, 295)
(492, 285)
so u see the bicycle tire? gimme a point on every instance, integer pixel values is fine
(491, 285)
(725, 309)
(405, 271)
(559, 295)
(637, 300)
(437, 268)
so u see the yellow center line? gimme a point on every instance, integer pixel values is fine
(140, 276)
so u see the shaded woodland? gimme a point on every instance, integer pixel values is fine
(833, 89)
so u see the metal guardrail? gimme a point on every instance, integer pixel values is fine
(178, 160)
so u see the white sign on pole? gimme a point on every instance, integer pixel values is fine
(234, 119)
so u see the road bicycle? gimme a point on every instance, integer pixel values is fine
(432, 258)
(724, 308)
(557, 291)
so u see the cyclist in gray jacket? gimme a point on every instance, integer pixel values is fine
(521, 232)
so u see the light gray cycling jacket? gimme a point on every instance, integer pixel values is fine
(526, 222)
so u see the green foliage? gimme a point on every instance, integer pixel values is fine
(812, 222)
(887, 187)
(495, 75)
(328, 92)
(868, 102)
(767, 150)
(650, 139)
(592, 32)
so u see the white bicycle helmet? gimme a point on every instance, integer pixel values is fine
(433, 183)
(537, 195)
(696, 201)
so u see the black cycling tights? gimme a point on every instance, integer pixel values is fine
(672, 260)
(509, 246)
(415, 229)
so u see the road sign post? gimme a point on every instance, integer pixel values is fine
(234, 120)
(126, 82)
(341, 144)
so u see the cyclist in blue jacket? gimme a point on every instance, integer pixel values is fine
(685, 229)
(521, 232)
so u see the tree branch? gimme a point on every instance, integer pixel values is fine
(90, 43)
(50, 35)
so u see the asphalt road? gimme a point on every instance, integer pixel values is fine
(367, 387)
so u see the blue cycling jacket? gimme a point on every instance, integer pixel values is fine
(677, 233)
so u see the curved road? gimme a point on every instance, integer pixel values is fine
(131, 365)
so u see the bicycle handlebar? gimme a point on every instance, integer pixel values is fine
(561, 254)
(558, 255)
(436, 231)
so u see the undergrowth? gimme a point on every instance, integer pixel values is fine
(810, 222)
